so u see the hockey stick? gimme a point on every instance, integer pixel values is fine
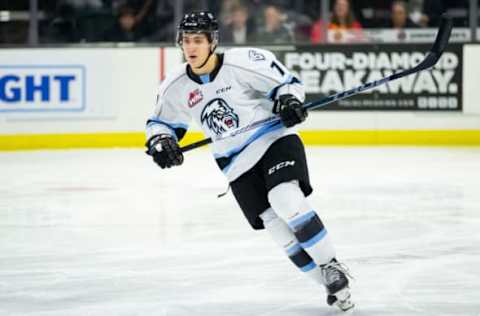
(430, 60)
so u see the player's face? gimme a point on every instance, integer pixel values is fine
(196, 48)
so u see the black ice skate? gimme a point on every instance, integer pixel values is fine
(336, 282)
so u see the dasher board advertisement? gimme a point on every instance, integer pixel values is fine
(326, 70)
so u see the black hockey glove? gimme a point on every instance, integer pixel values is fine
(165, 151)
(290, 109)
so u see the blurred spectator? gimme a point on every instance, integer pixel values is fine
(63, 27)
(159, 21)
(274, 29)
(301, 24)
(163, 26)
(342, 19)
(399, 16)
(125, 28)
(237, 28)
(225, 15)
(144, 15)
(372, 13)
(426, 12)
(77, 21)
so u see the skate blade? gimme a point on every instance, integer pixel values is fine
(343, 299)
(345, 305)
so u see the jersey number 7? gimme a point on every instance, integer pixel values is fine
(274, 65)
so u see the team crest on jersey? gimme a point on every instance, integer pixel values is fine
(194, 98)
(219, 116)
(255, 56)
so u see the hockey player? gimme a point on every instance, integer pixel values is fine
(266, 167)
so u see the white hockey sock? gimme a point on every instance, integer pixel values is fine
(284, 237)
(290, 204)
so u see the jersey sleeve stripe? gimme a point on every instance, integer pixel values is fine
(171, 126)
(272, 94)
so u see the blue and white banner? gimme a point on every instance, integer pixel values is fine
(42, 88)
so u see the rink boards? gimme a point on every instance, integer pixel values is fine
(101, 97)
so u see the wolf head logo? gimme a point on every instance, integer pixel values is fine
(219, 116)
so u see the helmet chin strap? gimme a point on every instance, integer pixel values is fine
(206, 59)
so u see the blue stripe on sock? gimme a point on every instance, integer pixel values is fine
(309, 243)
(309, 267)
(294, 249)
(301, 220)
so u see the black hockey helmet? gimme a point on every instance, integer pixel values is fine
(199, 22)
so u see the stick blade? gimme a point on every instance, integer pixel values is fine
(443, 35)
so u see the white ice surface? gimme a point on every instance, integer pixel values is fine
(106, 232)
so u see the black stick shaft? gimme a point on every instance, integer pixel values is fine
(441, 42)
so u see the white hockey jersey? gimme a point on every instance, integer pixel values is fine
(240, 91)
